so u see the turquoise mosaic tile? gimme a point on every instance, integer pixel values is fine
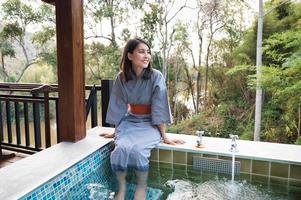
(71, 183)
(152, 193)
(91, 178)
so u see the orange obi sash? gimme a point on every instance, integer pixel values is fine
(141, 109)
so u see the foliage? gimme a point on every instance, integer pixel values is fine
(125, 35)
(7, 48)
(17, 17)
(50, 58)
(283, 86)
(21, 14)
(12, 30)
(211, 124)
(156, 60)
(39, 74)
(246, 52)
(298, 141)
(44, 36)
(115, 11)
(229, 58)
(280, 46)
(149, 24)
(232, 89)
(102, 62)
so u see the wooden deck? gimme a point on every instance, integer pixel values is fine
(6, 162)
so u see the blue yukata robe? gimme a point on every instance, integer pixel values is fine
(137, 134)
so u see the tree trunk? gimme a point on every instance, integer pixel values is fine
(110, 3)
(200, 26)
(190, 86)
(299, 120)
(175, 94)
(207, 70)
(3, 71)
(164, 51)
(195, 101)
(199, 77)
(113, 32)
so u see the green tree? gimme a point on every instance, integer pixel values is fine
(45, 38)
(6, 50)
(181, 41)
(17, 17)
(280, 46)
(149, 23)
(102, 62)
(281, 40)
(283, 85)
(115, 11)
(177, 85)
(159, 20)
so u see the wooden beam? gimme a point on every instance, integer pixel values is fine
(52, 2)
(69, 22)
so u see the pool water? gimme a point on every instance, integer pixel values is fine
(174, 182)
(182, 182)
(101, 184)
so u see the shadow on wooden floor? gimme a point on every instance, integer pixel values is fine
(5, 161)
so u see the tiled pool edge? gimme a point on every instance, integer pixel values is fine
(246, 167)
(254, 165)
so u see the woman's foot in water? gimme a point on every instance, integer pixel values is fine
(121, 186)
(120, 195)
(140, 193)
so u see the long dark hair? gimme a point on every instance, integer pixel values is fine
(126, 65)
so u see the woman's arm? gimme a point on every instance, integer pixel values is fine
(166, 139)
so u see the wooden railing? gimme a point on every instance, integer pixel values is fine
(25, 104)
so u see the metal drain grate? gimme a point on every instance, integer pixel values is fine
(215, 165)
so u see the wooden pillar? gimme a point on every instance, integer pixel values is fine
(69, 27)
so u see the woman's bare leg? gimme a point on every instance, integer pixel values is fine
(140, 193)
(121, 185)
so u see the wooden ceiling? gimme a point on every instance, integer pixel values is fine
(52, 2)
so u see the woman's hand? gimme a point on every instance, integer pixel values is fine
(167, 140)
(173, 141)
(107, 134)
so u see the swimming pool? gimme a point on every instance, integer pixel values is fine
(81, 170)
(92, 178)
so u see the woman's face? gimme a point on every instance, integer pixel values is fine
(140, 57)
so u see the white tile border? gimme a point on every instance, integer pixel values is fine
(267, 151)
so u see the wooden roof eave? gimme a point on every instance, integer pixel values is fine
(52, 2)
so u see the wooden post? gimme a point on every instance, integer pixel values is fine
(69, 26)
(47, 120)
(2, 155)
(46, 89)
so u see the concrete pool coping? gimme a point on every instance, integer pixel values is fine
(27, 174)
(267, 151)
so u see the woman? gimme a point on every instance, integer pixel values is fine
(139, 109)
